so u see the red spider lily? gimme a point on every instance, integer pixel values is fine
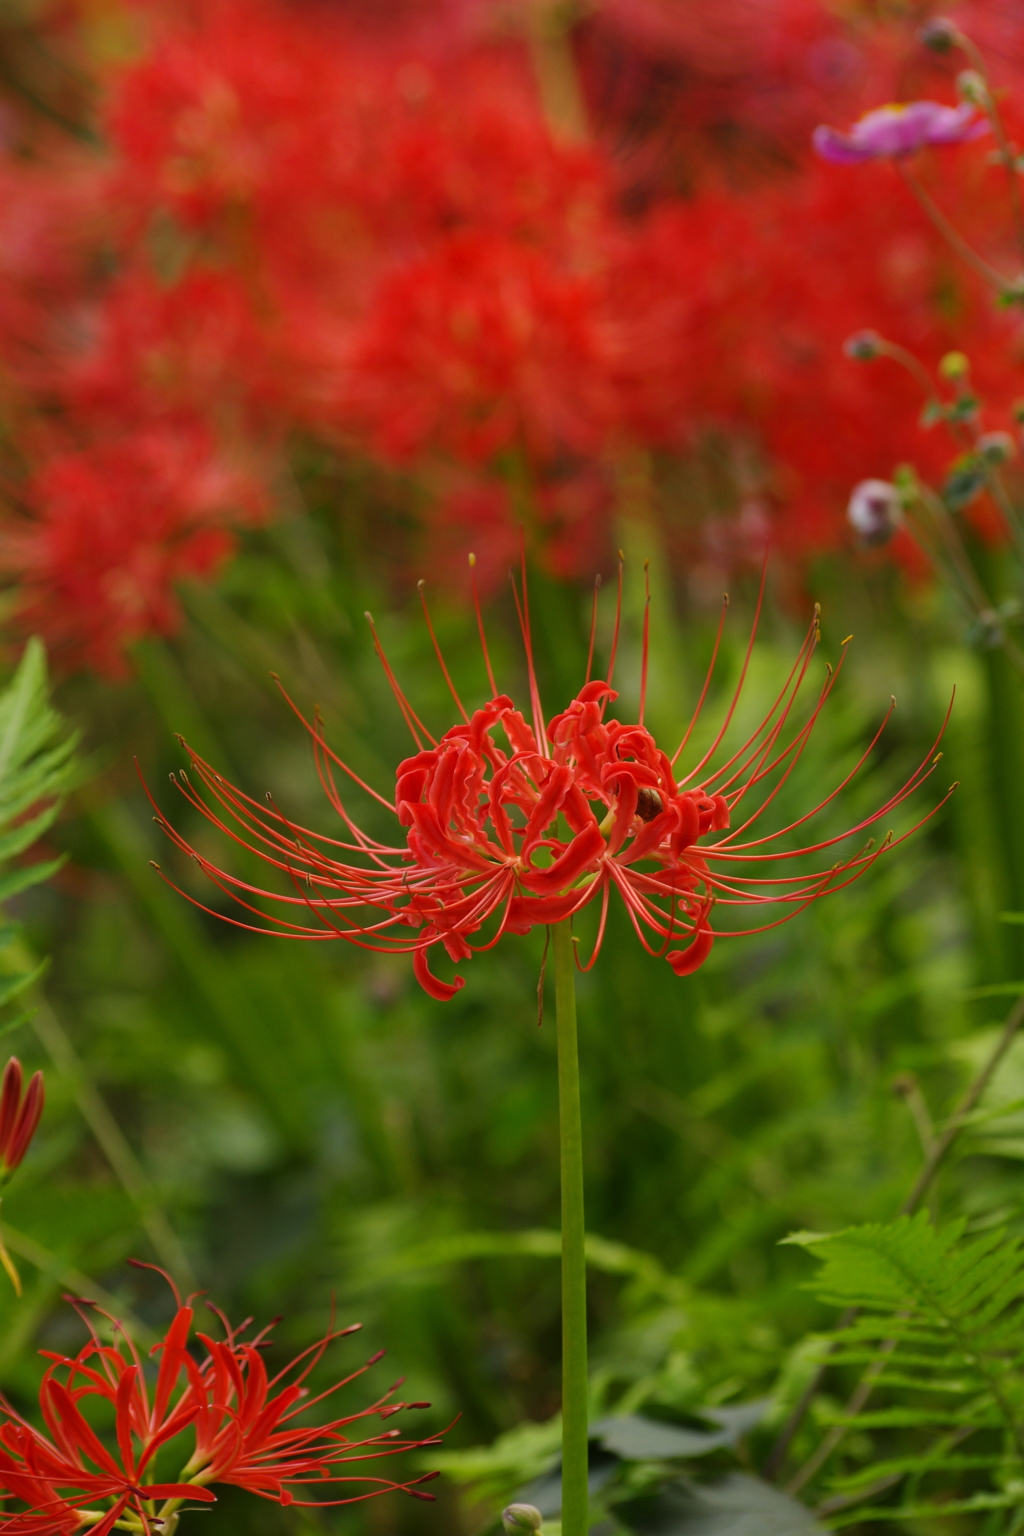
(242, 1421)
(19, 1116)
(533, 829)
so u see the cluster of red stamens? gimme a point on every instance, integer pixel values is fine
(502, 836)
(243, 1424)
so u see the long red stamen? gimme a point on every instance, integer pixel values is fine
(480, 627)
(412, 720)
(593, 628)
(523, 613)
(709, 754)
(645, 652)
(437, 652)
(707, 682)
(618, 621)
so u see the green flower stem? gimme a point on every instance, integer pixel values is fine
(574, 1271)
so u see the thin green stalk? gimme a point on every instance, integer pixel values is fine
(574, 1268)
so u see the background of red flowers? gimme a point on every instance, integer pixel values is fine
(487, 253)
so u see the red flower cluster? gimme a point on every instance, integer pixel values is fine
(303, 220)
(242, 1420)
(117, 524)
(502, 837)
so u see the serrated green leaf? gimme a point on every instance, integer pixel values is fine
(13, 986)
(19, 838)
(17, 880)
(929, 1286)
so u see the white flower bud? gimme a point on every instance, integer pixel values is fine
(874, 511)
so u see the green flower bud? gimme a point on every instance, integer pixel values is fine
(972, 87)
(996, 447)
(954, 366)
(518, 1518)
(939, 34)
(863, 346)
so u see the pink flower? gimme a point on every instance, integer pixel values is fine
(896, 130)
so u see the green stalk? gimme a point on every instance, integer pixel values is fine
(574, 1269)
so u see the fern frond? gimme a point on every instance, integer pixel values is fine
(37, 768)
(940, 1332)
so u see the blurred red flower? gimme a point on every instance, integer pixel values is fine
(117, 523)
(302, 221)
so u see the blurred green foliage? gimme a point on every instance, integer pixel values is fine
(299, 1123)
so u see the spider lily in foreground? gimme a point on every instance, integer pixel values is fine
(243, 1425)
(511, 820)
(507, 822)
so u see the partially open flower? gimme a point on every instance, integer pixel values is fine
(510, 823)
(896, 130)
(19, 1116)
(874, 511)
(19, 1119)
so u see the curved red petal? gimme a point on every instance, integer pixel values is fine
(443, 991)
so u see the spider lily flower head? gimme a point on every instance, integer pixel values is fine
(243, 1423)
(19, 1115)
(507, 822)
(894, 131)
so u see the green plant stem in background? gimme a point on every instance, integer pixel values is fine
(574, 1269)
(112, 1142)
